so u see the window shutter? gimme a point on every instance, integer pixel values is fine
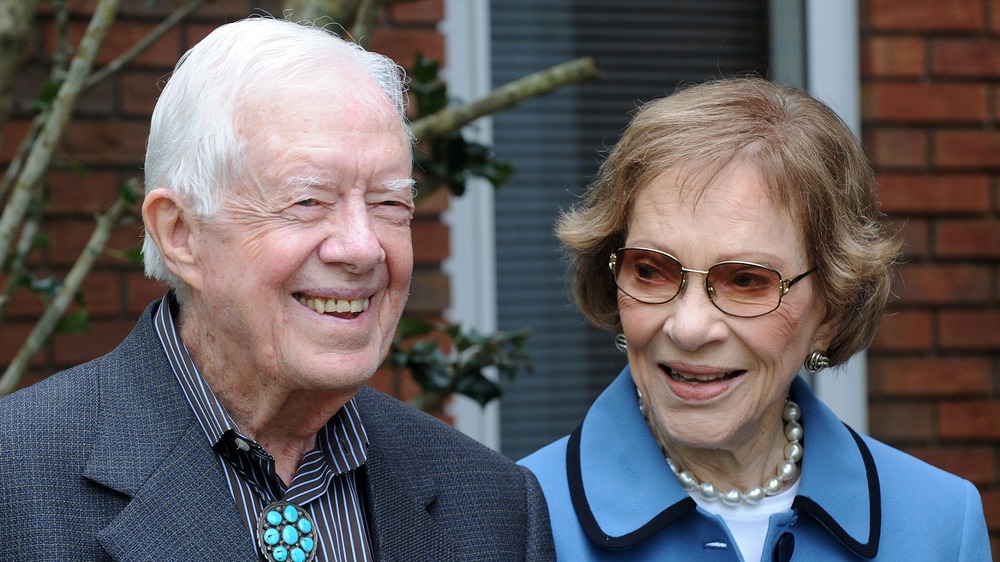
(645, 48)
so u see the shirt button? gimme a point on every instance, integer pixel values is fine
(241, 444)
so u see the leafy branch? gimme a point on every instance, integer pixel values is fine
(445, 359)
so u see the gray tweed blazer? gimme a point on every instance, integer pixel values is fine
(105, 461)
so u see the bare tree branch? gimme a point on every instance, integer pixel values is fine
(145, 43)
(15, 25)
(364, 22)
(41, 154)
(43, 329)
(531, 86)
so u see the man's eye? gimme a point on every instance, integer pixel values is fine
(307, 203)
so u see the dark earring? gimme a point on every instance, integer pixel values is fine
(620, 343)
(816, 362)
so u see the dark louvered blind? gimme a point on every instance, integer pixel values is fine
(645, 49)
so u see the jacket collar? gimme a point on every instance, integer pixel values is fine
(401, 494)
(623, 491)
(160, 459)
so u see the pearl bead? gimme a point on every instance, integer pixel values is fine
(732, 497)
(687, 480)
(787, 469)
(773, 486)
(754, 495)
(793, 451)
(708, 491)
(791, 411)
(793, 431)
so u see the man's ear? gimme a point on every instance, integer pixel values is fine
(169, 223)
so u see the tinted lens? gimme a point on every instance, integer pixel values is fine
(650, 277)
(743, 289)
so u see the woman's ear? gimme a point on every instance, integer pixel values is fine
(170, 224)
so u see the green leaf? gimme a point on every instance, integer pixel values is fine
(73, 323)
(478, 387)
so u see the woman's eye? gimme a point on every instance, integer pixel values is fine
(307, 203)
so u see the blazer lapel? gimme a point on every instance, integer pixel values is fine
(183, 512)
(400, 495)
(150, 448)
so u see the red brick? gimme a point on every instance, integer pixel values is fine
(904, 331)
(122, 36)
(944, 284)
(12, 337)
(81, 193)
(969, 419)
(426, 12)
(141, 291)
(432, 202)
(430, 242)
(103, 336)
(967, 149)
(900, 421)
(69, 237)
(968, 238)
(897, 148)
(13, 134)
(140, 91)
(916, 236)
(105, 142)
(926, 15)
(991, 507)
(896, 57)
(929, 376)
(24, 304)
(934, 194)
(970, 330)
(977, 464)
(975, 58)
(429, 293)
(920, 102)
(402, 45)
(101, 293)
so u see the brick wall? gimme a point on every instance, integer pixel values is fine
(106, 140)
(931, 105)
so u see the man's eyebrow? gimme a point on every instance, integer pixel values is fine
(400, 184)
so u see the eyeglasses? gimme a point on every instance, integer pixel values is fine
(736, 288)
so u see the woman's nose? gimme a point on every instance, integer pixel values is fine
(692, 320)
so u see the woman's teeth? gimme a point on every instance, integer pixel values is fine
(700, 378)
(322, 305)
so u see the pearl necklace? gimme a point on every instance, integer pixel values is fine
(771, 487)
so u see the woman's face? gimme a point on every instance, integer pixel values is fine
(711, 380)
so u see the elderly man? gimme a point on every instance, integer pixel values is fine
(233, 422)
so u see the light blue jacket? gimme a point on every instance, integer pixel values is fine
(611, 496)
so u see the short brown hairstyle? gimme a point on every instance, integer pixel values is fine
(808, 160)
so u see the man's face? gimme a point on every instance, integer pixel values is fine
(305, 270)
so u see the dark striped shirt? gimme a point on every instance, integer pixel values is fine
(325, 484)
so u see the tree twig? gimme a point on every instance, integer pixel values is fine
(46, 324)
(531, 86)
(41, 153)
(145, 43)
(364, 22)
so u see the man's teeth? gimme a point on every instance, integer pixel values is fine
(322, 305)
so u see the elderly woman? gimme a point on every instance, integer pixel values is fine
(732, 236)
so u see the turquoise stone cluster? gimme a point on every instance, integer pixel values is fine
(285, 533)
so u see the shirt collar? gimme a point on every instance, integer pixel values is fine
(343, 440)
(623, 491)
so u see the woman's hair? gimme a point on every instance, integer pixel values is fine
(194, 147)
(806, 157)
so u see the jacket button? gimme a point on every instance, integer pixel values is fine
(783, 550)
